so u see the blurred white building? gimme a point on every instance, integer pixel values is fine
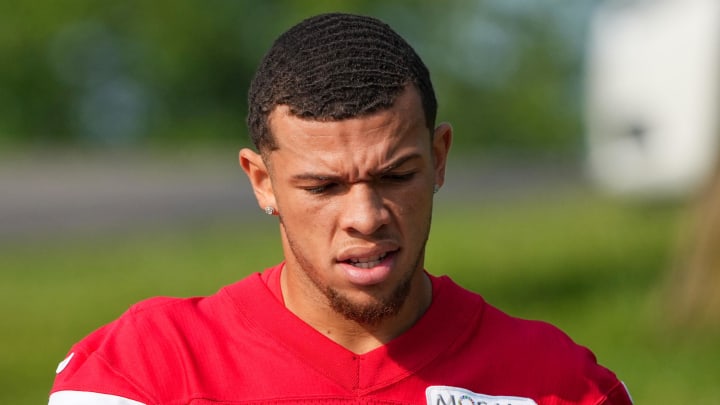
(653, 95)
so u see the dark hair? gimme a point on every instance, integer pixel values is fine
(333, 67)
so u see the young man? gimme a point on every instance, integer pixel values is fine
(342, 113)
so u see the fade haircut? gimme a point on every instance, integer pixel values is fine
(332, 67)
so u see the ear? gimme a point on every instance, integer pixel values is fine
(259, 176)
(442, 139)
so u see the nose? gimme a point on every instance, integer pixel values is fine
(363, 210)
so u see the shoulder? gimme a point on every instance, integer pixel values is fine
(509, 336)
(147, 347)
(100, 362)
(497, 329)
(546, 357)
(160, 348)
(527, 357)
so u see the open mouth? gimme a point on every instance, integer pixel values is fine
(367, 262)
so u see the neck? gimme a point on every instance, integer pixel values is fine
(356, 337)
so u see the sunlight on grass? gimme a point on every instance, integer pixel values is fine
(590, 266)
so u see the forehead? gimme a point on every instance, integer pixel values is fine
(375, 136)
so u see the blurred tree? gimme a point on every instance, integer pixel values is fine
(693, 297)
(126, 73)
(511, 72)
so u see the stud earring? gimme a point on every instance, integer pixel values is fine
(436, 188)
(269, 210)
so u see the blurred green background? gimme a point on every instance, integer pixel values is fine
(82, 72)
(103, 101)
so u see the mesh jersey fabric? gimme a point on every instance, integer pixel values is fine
(242, 346)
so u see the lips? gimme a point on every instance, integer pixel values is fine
(367, 256)
(367, 262)
(367, 267)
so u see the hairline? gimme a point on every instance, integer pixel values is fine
(270, 144)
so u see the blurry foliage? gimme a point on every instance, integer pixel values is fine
(82, 72)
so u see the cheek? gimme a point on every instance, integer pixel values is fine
(307, 218)
(410, 208)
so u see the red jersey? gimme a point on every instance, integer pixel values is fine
(242, 346)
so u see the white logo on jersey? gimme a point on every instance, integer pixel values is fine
(442, 395)
(64, 363)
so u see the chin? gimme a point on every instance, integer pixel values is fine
(371, 310)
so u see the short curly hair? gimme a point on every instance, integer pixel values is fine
(333, 67)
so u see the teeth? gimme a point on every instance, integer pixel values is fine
(367, 262)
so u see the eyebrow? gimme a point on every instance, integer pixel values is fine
(329, 177)
(399, 162)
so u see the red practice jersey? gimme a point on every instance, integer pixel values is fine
(242, 346)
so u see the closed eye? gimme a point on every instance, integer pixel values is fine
(397, 178)
(321, 189)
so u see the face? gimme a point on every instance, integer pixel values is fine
(354, 199)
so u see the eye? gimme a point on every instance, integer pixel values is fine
(397, 177)
(324, 188)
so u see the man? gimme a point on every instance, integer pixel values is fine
(342, 113)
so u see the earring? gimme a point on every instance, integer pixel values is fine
(436, 188)
(269, 210)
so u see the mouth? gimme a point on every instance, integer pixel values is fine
(367, 262)
(368, 268)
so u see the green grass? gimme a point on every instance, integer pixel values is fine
(591, 266)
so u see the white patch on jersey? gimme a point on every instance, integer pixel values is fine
(88, 398)
(442, 395)
(64, 363)
(627, 391)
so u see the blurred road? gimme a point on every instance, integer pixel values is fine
(52, 195)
